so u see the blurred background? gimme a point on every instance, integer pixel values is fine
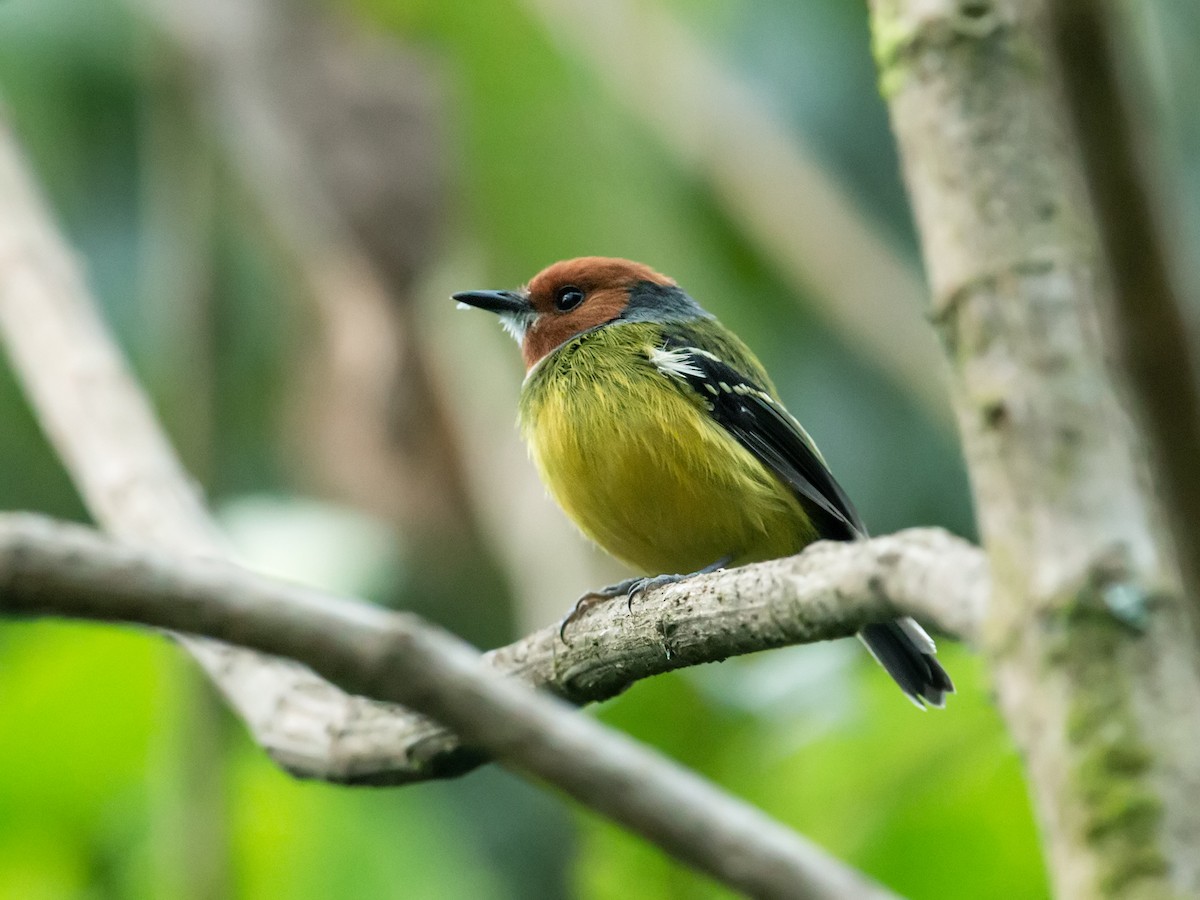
(273, 200)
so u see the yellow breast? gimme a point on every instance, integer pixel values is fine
(635, 460)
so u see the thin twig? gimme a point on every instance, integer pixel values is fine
(47, 568)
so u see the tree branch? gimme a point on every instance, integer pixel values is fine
(829, 591)
(47, 568)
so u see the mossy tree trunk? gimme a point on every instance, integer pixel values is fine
(1093, 654)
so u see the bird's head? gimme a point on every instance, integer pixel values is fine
(577, 295)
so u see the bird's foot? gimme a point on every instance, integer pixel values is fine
(629, 588)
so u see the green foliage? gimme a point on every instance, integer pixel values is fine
(919, 800)
(314, 840)
(81, 755)
(79, 716)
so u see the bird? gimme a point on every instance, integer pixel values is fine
(663, 439)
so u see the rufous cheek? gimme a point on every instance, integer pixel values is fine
(553, 329)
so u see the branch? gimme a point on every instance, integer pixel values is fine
(48, 568)
(827, 592)
(1146, 309)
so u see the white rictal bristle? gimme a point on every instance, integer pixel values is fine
(516, 324)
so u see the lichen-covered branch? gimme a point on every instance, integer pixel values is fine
(48, 568)
(829, 591)
(1089, 639)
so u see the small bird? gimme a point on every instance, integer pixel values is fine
(662, 437)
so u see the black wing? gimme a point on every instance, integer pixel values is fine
(747, 411)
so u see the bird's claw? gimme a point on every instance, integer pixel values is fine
(630, 588)
(650, 584)
(642, 584)
(591, 598)
(582, 605)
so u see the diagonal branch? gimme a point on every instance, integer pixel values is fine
(47, 568)
(829, 591)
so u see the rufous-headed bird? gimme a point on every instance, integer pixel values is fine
(661, 436)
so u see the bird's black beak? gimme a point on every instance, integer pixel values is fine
(496, 301)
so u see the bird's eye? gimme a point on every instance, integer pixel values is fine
(567, 298)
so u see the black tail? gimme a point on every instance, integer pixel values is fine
(904, 649)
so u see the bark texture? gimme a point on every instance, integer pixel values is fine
(1091, 648)
(829, 591)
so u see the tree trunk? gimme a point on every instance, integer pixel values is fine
(1091, 647)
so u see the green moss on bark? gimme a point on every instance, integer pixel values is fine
(898, 39)
(891, 35)
(1122, 813)
(900, 42)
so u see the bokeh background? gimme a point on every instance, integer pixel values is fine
(273, 200)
